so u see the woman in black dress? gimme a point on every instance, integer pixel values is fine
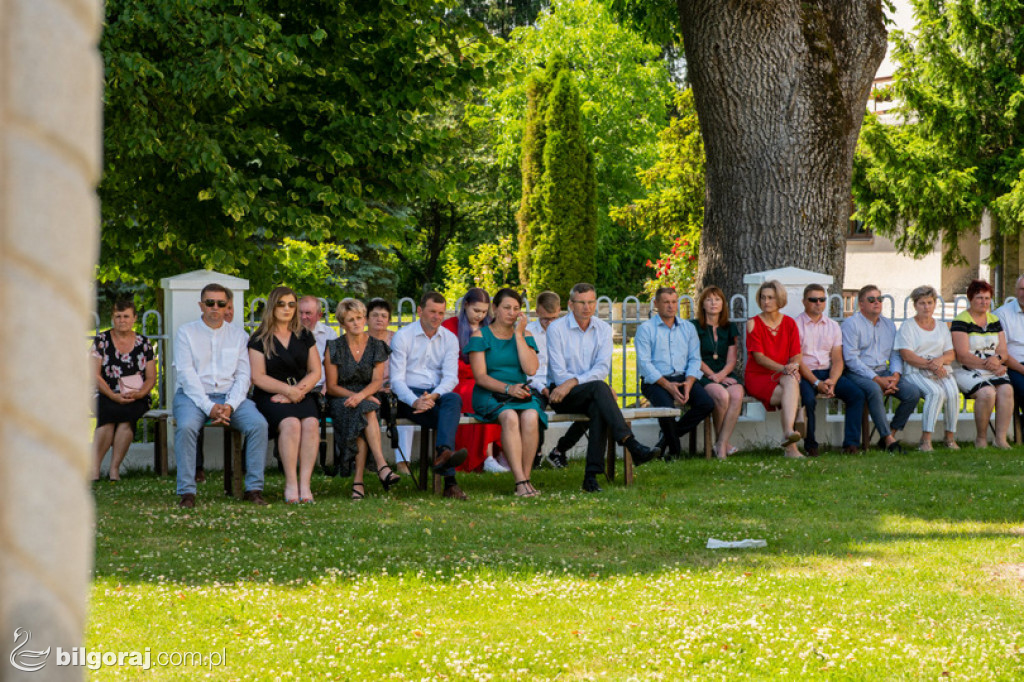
(355, 366)
(285, 368)
(125, 374)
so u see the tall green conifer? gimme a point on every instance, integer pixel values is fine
(558, 213)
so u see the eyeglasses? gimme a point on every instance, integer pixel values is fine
(282, 304)
(873, 299)
(816, 300)
(584, 302)
(211, 302)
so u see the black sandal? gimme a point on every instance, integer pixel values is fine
(529, 493)
(358, 494)
(392, 479)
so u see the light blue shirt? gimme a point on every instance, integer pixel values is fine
(577, 354)
(663, 351)
(867, 348)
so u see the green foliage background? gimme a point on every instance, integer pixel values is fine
(959, 144)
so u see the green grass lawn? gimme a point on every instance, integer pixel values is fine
(877, 567)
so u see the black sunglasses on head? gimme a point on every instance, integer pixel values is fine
(210, 302)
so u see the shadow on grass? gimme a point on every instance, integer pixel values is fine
(834, 506)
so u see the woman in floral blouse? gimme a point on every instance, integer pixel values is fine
(125, 374)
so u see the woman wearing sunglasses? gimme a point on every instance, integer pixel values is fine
(285, 368)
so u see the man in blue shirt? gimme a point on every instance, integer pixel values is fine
(874, 365)
(579, 359)
(668, 360)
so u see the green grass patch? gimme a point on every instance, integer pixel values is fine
(877, 567)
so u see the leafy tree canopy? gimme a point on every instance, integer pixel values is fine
(960, 146)
(624, 90)
(232, 125)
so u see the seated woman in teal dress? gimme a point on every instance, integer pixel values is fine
(503, 355)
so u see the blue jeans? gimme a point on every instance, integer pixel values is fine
(443, 417)
(1017, 381)
(190, 421)
(907, 393)
(853, 399)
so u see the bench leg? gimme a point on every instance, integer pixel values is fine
(426, 438)
(160, 447)
(708, 435)
(627, 463)
(229, 466)
(865, 430)
(237, 477)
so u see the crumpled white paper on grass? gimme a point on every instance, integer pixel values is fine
(736, 544)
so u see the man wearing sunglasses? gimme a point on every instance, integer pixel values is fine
(875, 366)
(212, 364)
(821, 370)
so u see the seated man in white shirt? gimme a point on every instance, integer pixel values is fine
(1011, 316)
(579, 349)
(311, 317)
(212, 363)
(424, 370)
(549, 309)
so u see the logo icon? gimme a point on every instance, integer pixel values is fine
(27, 661)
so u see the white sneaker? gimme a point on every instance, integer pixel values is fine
(492, 466)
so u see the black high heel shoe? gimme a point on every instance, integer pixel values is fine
(391, 479)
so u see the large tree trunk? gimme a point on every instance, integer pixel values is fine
(780, 88)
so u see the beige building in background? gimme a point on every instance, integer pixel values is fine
(50, 138)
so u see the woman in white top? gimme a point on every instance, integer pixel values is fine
(926, 347)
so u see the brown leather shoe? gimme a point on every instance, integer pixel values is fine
(454, 492)
(446, 459)
(200, 475)
(187, 501)
(254, 496)
(850, 450)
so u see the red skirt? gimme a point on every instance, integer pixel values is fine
(474, 437)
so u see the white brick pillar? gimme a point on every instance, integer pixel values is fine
(50, 139)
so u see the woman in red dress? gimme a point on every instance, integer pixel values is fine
(773, 361)
(478, 439)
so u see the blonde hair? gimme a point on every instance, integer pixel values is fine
(780, 292)
(348, 305)
(265, 333)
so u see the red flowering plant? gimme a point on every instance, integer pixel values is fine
(677, 268)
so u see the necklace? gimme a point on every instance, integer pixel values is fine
(714, 338)
(774, 331)
(357, 351)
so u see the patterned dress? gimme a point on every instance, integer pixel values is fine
(983, 342)
(353, 375)
(113, 366)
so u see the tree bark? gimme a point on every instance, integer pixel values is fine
(780, 88)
